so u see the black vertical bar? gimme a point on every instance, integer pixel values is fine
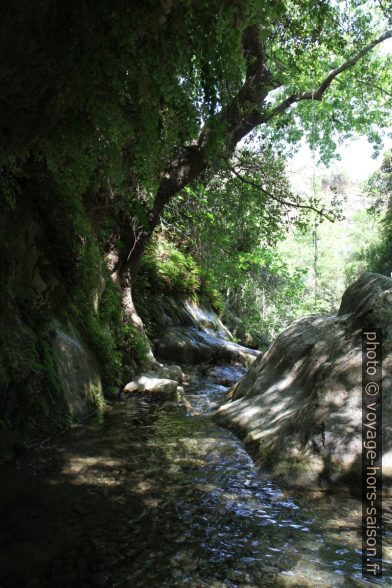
(372, 453)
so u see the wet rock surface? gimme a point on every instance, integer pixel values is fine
(150, 496)
(78, 372)
(227, 374)
(191, 334)
(190, 345)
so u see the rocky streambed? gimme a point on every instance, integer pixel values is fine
(152, 495)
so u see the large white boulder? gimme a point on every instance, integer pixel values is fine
(154, 383)
(300, 404)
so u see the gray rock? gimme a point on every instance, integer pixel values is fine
(151, 383)
(182, 399)
(300, 404)
(78, 372)
(227, 375)
(189, 345)
(172, 372)
(192, 334)
(131, 387)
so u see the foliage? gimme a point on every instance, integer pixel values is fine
(133, 344)
(302, 60)
(366, 237)
(54, 240)
(232, 226)
(140, 73)
(166, 272)
(375, 253)
(176, 272)
(99, 100)
(169, 270)
(112, 91)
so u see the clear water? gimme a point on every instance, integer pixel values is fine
(154, 496)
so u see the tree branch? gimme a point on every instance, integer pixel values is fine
(243, 113)
(236, 120)
(320, 212)
(319, 92)
(370, 83)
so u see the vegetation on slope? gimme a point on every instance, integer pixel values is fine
(376, 253)
(110, 112)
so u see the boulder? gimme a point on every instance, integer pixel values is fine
(300, 404)
(132, 386)
(189, 345)
(172, 372)
(152, 383)
(191, 334)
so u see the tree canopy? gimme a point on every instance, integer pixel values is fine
(117, 114)
(129, 103)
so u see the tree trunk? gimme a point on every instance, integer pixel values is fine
(123, 280)
(245, 112)
(132, 315)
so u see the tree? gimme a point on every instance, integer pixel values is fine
(128, 103)
(293, 54)
(231, 226)
(376, 251)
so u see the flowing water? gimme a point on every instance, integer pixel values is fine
(150, 495)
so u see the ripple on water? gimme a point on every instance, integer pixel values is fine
(148, 497)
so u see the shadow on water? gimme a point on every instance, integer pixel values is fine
(150, 496)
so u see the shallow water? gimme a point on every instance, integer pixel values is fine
(153, 496)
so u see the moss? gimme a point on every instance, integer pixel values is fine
(66, 255)
(102, 342)
(210, 294)
(177, 272)
(83, 268)
(133, 340)
(32, 402)
(110, 309)
(167, 272)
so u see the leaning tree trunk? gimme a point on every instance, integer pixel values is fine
(184, 170)
(246, 111)
(123, 279)
(232, 123)
(132, 315)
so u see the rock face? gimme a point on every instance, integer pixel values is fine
(190, 345)
(194, 335)
(300, 404)
(78, 373)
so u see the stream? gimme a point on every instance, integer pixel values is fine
(151, 495)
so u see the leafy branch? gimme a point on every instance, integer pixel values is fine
(319, 92)
(320, 211)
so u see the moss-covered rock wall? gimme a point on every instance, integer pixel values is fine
(53, 284)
